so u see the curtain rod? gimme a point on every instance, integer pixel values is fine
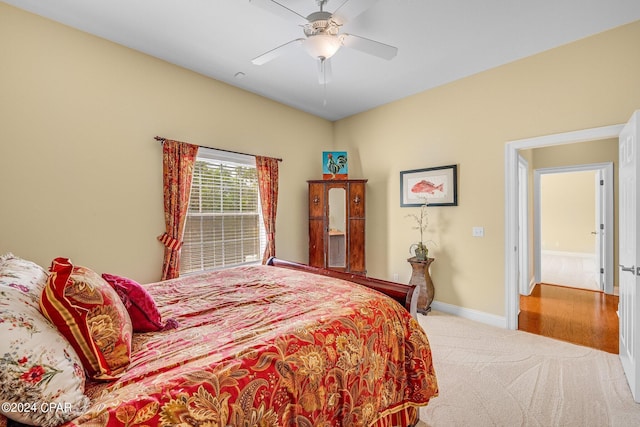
(162, 139)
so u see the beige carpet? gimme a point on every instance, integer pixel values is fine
(496, 377)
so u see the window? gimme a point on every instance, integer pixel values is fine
(224, 224)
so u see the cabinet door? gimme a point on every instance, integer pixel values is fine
(356, 246)
(317, 205)
(316, 243)
(356, 200)
(356, 227)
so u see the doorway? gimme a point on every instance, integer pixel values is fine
(512, 235)
(573, 225)
(567, 234)
(569, 198)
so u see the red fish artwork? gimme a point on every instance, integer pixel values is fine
(425, 186)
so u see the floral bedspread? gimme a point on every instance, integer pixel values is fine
(267, 346)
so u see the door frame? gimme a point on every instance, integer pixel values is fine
(605, 205)
(524, 274)
(511, 237)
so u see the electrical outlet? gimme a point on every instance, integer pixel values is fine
(395, 277)
(477, 231)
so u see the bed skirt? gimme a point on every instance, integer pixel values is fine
(407, 416)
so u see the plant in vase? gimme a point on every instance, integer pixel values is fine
(420, 250)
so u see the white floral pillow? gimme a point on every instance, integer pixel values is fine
(41, 377)
(24, 275)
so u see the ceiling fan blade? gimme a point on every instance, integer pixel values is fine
(371, 47)
(350, 9)
(281, 10)
(324, 71)
(278, 51)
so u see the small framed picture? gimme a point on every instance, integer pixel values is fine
(334, 165)
(435, 186)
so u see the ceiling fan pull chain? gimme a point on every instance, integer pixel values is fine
(324, 83)
(324, 101)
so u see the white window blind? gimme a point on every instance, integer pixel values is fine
(224, 224)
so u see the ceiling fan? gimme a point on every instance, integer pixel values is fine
(322, 33)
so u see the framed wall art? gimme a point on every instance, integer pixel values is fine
(334, 165)
(436, 186)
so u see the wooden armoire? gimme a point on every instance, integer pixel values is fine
(337, 224)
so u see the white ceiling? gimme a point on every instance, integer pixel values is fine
(438, 41)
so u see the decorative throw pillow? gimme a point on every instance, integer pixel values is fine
(140, 305)
(41, 376)
(90, 314)
(24, 275)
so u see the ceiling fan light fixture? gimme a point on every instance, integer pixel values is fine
(322, 46)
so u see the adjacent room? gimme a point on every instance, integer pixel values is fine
(416, 103)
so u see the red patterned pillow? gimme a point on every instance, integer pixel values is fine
(142, 309)
(89, 313)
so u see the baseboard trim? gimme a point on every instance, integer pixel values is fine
(584, 255)
(471, 314)
(532, 284)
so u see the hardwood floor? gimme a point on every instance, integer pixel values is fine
(578, 316)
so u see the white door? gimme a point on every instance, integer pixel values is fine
(629, 302)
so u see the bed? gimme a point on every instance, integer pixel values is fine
(275, 345)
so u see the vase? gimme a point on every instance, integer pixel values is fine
(421, 278)
(420, 251)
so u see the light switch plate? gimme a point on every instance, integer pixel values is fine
(477, 231)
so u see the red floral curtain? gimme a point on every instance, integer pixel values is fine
(178, 159)
(268, 186)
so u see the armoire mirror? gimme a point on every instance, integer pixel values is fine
(337, 228)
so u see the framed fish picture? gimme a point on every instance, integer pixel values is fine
(334, 165)
(434, 186)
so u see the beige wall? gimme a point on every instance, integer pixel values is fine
(586, 84)
(600, 151)
(80, 173)
(567, 212)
